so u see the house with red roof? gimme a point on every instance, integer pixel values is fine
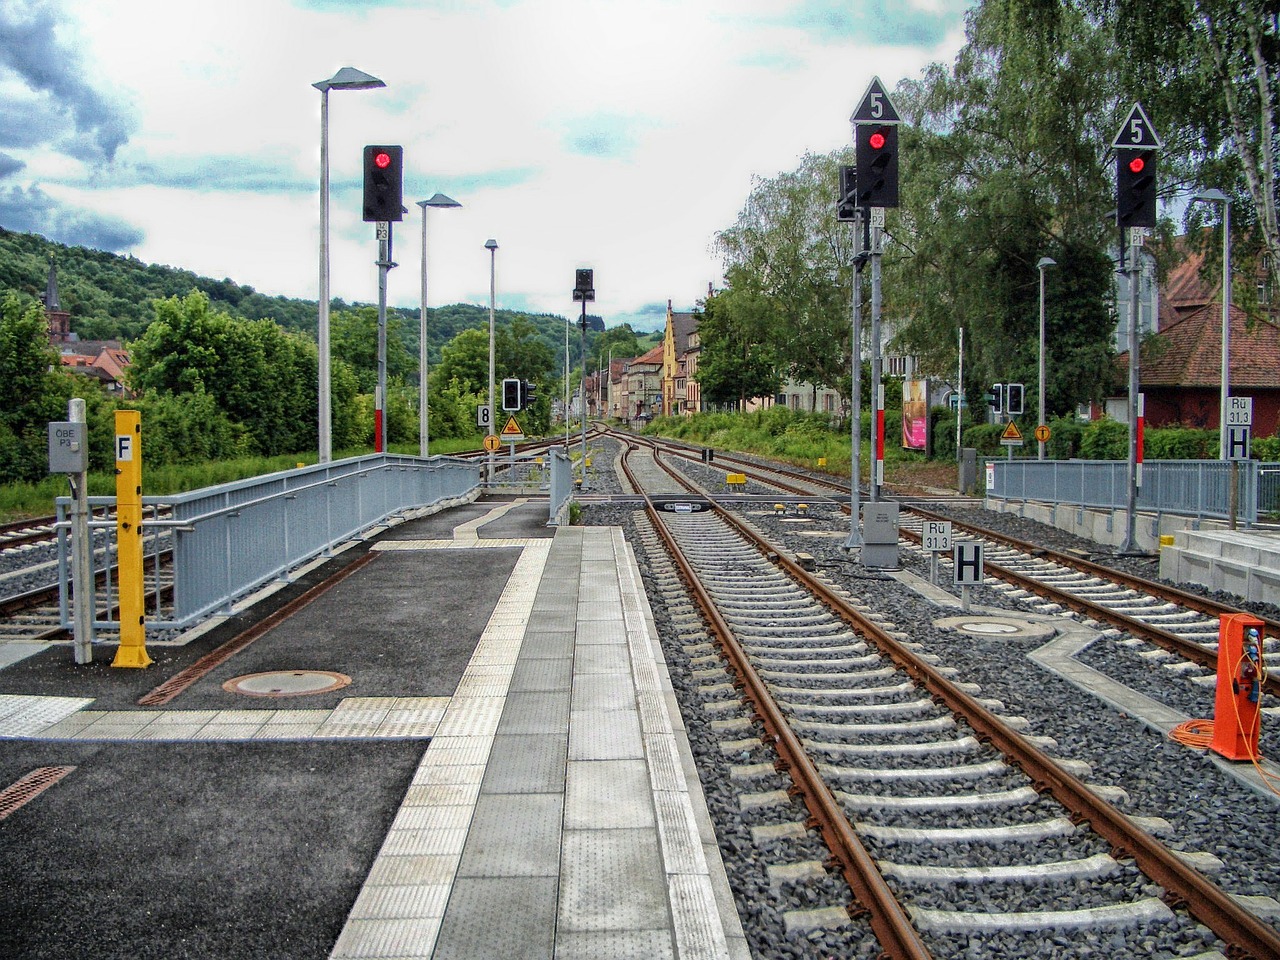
(1180, 367)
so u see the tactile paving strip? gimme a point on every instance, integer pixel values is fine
(424, 846)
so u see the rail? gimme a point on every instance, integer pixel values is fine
(231, 538)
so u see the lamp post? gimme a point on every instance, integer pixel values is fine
(492, 247)
(439, 201)
(1044, 263)
(348, 78)
(608, 384)
(1217, 196)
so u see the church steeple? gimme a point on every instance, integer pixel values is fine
(51, 288)
(59, 319)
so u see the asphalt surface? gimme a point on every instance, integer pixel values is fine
(241, 849)
(194, 850)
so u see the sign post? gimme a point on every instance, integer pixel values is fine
(128, 447)
(935, 536)
(69, 454)
(966, 569)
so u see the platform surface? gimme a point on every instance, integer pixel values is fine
(534, 797)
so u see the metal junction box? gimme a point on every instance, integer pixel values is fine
(68, 447)
(880, 535)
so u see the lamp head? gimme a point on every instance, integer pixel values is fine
(439, 200)
(349, 78)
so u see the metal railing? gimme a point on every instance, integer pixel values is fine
(231, 538)
(561, 484)
(1196, 488)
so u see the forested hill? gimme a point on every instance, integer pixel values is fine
(109, 297)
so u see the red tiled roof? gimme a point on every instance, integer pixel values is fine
(653, 356)
(1189, 352)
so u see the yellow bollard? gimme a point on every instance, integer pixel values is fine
(133, 645)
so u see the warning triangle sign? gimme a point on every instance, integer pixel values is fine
(512, 429)
(1011, 432)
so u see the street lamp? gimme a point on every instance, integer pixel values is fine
(348, 78)
(1214, 195)
(492, 247)
(1044, 263)
(424, 435)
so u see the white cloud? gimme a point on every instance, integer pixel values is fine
(620, 135)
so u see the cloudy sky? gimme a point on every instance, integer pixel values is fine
(614, 134)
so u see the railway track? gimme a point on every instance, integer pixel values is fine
(1174, 620)
(981, 822)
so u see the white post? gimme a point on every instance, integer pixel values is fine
(492, 247)
(326, 413)
(1226, 326)
(82, 552)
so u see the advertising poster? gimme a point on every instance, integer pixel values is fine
(915, 414)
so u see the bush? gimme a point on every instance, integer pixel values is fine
(1105, 439)
(984, 437)
(1065, 437)
(1180, 443)
(1267, 449)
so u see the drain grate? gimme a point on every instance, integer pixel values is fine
(28, 787)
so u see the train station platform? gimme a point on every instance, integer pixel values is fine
(1244, 562)
(504, 772)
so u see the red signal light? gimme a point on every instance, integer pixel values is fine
(876, 140)
(1137, 164)
(383, 160)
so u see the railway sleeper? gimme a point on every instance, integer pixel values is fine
(1098, 865)
(1133, 914)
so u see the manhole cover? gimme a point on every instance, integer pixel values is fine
(988, 626)
(287, 683)
(991, 626)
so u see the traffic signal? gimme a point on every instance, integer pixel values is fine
(876, 152)
(510, 394)
(584, 286)
(530, 391)
(1013, 399)
(847, 199)
(997, 397)
(383, 183)
(1136, 188)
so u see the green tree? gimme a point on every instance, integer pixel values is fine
(1004, 162)
(736, 361)
(31, 395)
(263, 378)
(1208, 72)
(354, 338)
(465, 359)
(797, 261)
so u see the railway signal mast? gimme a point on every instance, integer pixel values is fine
(584, 292)
(875, 134)
(1135, 144)
(383, 196)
